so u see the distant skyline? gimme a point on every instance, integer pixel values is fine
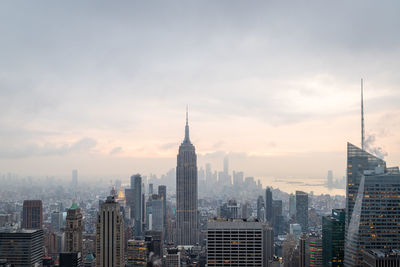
(102, 87)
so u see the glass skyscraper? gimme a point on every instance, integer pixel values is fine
(372, 207)
(333, 230)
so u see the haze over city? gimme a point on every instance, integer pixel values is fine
(103, 88)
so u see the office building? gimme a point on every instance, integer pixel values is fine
(56, 221)
(372, 191)
(137, 253)
(136, 185)
(302, 210)
(237, 242)
(230, 210)
(70, 259)
(32, 214)
(155, 213)
(314, 247)
(268, 206)
(277, 219)
(381, 258)
(186, 192)
(303, 253)
(73, 229)
(23, 247)
(110, 235)
(292, 205)
(173, 258)
(162, 193)
(260, 208)
(333, 231)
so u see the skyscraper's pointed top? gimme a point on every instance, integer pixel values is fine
(362, 118)
(187, 115)
(187, 139)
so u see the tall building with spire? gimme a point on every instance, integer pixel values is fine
(186, 192)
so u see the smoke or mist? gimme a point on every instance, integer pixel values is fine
(371, 147)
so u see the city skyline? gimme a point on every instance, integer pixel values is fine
(266, 102)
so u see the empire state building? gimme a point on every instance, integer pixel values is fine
(186, 192)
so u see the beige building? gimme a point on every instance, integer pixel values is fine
(73, 229)
(110, 235)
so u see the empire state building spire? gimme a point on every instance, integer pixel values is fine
(187, 139)
(187, 231)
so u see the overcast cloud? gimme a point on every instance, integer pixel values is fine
(112, 79)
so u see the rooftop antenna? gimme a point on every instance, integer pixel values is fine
(187, 119)
(362, 118)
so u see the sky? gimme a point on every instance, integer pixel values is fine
(102, 86)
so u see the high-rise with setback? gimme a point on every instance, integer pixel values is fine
(186, 192)
(110, 235)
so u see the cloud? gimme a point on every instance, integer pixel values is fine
(84, 145)
(116, 150)
(168, 146)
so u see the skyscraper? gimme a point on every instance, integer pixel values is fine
(162, 193)
(333, 238)
(302, 210)
(186, 192)
(268, 206)
(32, 217)
(260, 208)
(372, 221)
(73, 229)
(292, 205)
(136, 185)
(110, 235)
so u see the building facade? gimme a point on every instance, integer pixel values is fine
(32, 214)
(375, 211)
(237, 242)
(110, 235)
(187, 228)
(137, 253)
(333, 231)
(302, 210)
(136, 186)
(22, 248)
(73, 229)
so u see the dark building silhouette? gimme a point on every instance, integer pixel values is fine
(268, 206)
(302, 210)
(70, 259)
(136, 185)
(32, 214)
(333, 230)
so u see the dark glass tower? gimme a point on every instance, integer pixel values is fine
(333, 238)
(136, 185)
(372, 207)
(268, 205)
(186, 192)
(302, 210)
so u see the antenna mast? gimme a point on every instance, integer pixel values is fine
(362, 118)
